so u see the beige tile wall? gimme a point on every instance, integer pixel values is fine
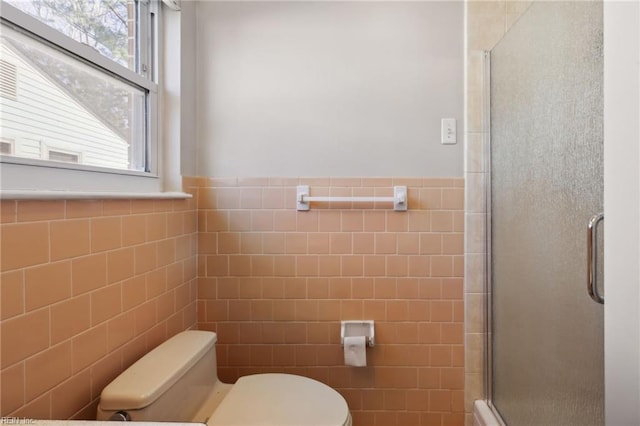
(487, 23)
(86, 288)
(275, 283)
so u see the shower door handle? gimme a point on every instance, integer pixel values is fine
(592, 258)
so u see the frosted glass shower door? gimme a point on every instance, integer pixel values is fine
(546, 183)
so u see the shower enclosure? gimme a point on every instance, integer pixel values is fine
(546, 151)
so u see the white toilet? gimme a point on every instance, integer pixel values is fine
(178, 382)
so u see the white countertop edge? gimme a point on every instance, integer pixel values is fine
(72, 195)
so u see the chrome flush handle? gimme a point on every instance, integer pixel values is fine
(592, 258)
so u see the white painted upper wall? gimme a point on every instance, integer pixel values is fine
(328, 88)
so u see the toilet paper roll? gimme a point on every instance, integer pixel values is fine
(355, 351)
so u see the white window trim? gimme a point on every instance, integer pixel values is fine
(32, 179)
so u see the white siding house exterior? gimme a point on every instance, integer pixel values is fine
(39, 119)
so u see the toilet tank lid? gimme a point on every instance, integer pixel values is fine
(153, 374)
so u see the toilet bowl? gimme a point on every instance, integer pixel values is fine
(178, 382)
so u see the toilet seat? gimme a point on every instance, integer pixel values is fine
(281, 400)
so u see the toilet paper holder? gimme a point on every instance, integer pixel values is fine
(357, 328)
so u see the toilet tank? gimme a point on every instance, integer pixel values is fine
(171, 383)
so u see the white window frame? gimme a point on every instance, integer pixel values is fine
(22, 177)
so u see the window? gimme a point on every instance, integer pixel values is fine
(6, 146)
(80, 74)
(64, 157)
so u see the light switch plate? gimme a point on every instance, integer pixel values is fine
(448, 131)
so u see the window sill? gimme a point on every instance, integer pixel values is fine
(78, 195)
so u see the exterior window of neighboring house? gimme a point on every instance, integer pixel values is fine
(6, 146)
(65, 157)
(86, 76)
(8, 80)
